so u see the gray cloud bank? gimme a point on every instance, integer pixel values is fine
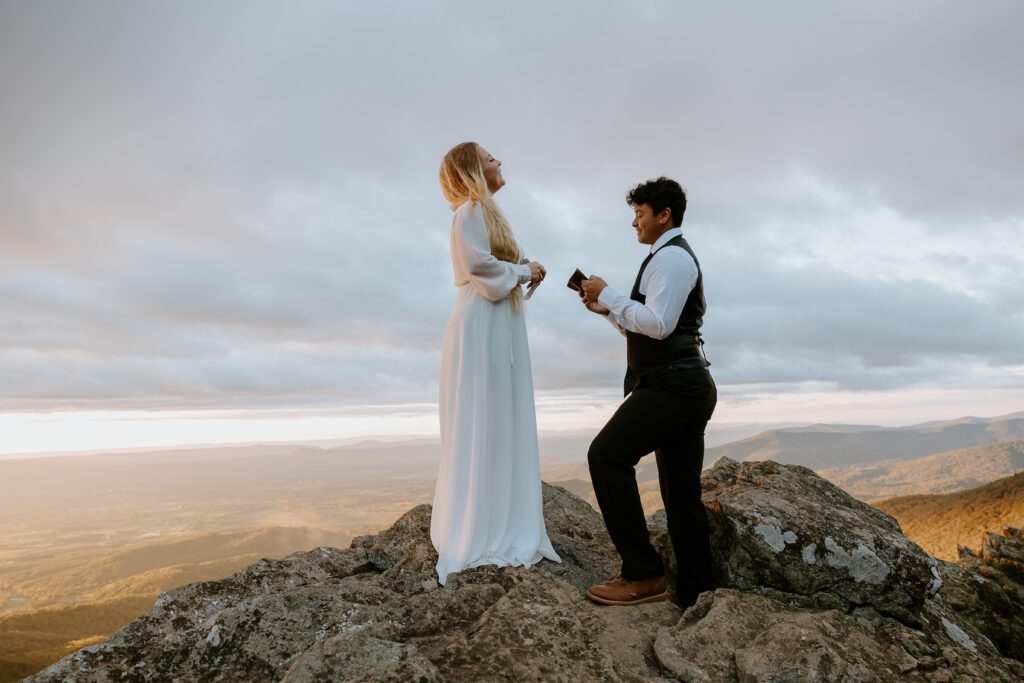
(236, 204)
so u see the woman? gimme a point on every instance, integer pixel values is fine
(487, 504)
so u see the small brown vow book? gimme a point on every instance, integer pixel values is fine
(575, 282)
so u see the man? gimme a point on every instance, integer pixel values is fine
(670, 398)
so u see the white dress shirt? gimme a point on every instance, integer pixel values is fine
(667, 282)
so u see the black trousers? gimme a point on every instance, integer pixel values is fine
(666, 414)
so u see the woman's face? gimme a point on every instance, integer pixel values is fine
(492, 171)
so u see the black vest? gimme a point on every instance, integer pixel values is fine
(681, 348)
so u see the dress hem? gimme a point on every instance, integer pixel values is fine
(499, 561)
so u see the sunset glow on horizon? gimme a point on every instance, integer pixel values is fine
(27, 434)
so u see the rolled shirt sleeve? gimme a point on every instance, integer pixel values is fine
(614, 324)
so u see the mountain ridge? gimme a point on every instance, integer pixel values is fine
(944, 472)
(821, 449)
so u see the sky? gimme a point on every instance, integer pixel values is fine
(222, 221)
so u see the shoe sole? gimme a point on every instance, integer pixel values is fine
(639, 601)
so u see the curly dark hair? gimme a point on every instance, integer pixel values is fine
(659, 194)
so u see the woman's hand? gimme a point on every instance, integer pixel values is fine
(537, 272)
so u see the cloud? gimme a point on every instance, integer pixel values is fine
(237, 205)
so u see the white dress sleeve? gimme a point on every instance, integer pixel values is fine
(492, 278)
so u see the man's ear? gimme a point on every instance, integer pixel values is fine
(665, 215)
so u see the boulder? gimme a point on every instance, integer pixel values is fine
(784, 531)
(731, 635)
(987, 590)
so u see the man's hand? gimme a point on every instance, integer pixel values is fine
(592, 288)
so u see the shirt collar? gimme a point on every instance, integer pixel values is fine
(669, 234)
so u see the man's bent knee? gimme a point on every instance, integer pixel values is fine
(595, 455)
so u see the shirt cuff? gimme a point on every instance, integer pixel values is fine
(609, 298)
(524, 274)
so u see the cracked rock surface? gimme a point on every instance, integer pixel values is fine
(813, 585)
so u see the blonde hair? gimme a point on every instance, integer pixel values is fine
(462, 180)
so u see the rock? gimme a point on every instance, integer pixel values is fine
(375, 611)
(785, 531)
(532, 633)
(1005, 552)
(987, 592)
(404, 547)
(579, 536)
(731, 635)
(357, 658)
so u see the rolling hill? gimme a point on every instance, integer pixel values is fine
(964, 468)
(826, 446)
(33, 640)
(938, 523)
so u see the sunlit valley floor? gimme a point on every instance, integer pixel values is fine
(88, 542)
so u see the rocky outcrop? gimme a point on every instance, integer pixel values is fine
(731, 635)
(782, 531)
(1004, 553)
(987, 590)
(813, 586)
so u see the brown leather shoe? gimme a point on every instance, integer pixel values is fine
(609, 584)
(620, 591)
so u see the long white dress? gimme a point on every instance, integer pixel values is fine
(487, 502)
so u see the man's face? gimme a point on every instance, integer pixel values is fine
(648, 225)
